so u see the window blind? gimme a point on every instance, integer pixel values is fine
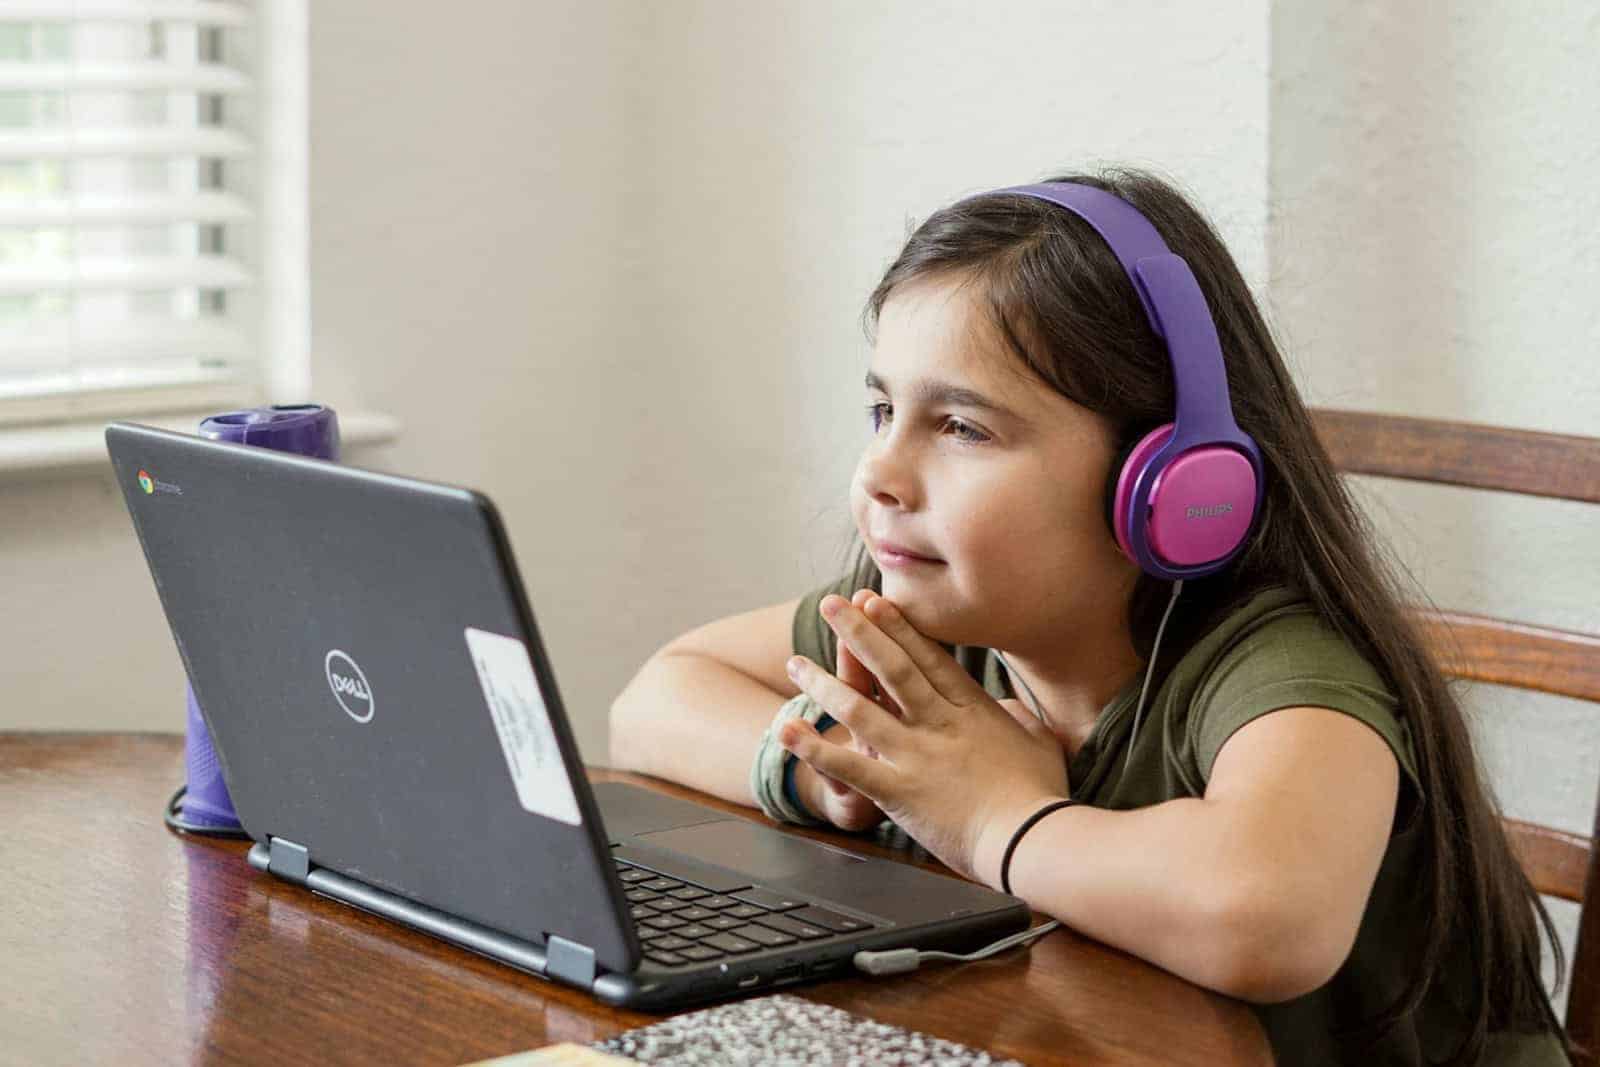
(130, 243)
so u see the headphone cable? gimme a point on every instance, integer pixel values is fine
(1177, 587)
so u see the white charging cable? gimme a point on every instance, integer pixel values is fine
(899, 960)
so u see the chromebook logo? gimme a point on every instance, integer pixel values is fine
(150, 485)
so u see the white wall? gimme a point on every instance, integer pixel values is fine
(1433, 248)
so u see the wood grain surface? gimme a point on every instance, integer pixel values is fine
(124, 942)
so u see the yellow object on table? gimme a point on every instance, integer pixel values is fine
(565, 1054)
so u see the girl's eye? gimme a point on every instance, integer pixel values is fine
(877, 411)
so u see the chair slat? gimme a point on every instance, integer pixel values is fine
(1500, 651)
(1462, 453)
(1503, 652)
(1557, 862)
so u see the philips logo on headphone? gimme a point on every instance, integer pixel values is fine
(1206, 513)
(349, 686)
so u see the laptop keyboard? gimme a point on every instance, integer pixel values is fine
(682, 923)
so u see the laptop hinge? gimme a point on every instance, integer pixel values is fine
(288, 860)
(569, 961)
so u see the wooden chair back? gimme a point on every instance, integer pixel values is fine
(1503, 651)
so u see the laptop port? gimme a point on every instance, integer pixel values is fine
(822, 967)
(787, 974)
(746, 983)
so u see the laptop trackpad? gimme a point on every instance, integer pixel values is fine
(751, 849)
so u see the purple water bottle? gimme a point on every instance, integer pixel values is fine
(310, 430)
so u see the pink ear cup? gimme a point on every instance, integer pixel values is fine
(1147, 447)
(1200, 506)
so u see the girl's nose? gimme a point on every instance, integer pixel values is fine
(888, 472)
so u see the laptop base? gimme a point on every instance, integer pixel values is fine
(650, 987)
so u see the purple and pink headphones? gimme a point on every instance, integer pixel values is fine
(1183, 499)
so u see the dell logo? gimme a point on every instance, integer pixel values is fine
(1206, 513)
(353, 686)
(349, 686)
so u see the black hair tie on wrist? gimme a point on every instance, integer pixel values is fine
(1011, 846)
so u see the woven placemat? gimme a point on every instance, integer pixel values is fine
(784, 1029)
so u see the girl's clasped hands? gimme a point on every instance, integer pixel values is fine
(957, 769)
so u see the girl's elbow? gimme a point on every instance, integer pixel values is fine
(1273, 956)
(1283, 973)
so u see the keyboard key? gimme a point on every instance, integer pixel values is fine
(701, 952)
(761, 935)
(690, 892)
(641, 911)
(694, 930)
(770, 899)
(638, 896)
(670, 942)
(662, 922)
(634, 874)
(789, 925)
(730, 943)
(745, 911)
(661, 903)
(725, 922)
(694, 913)
(671, 959)
(661, 885)
(717, 901)
(842, 924)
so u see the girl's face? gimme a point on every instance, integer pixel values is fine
(1004, 487)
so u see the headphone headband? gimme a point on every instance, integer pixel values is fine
(1172, 301)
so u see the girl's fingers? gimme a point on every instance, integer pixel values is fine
(857, 677)
(868, 722)
(904, 684)
(869, 777)
(864, 681)
(852, 673)
(855, 674)
(930, 665)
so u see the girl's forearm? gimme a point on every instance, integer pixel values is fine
(1169, 883)
(694, 720)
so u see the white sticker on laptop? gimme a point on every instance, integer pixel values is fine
(522, 723)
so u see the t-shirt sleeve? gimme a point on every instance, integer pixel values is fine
(1300, 660)
(812, 636)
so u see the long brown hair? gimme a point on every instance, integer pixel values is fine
(1068, 311)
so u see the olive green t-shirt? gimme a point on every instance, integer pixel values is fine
(1274, 651)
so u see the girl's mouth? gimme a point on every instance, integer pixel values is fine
(902, 561)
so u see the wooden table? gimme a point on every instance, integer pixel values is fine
(122, 942)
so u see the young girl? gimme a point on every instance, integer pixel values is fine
(1256, 778)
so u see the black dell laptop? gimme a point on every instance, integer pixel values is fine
(390, 731)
